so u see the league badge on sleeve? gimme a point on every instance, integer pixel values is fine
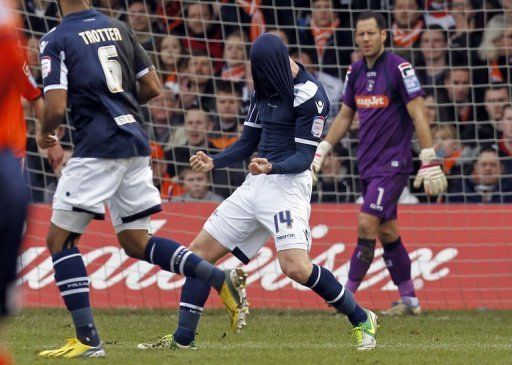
(46, 66)
(318, 126)
(411, 82)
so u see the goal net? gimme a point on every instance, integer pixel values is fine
(460, 243)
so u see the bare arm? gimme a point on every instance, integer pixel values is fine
(53, 113)
(416, 109)
(340, 125)
(55, 153)
(149, 87)
(38, 106)
(55, 102)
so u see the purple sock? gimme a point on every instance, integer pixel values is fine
(399, 265)
(360, 262)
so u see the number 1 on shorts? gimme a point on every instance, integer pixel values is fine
(381, 194)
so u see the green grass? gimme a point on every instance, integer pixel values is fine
(276, 337)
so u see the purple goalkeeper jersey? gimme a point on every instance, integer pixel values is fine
(380, 95)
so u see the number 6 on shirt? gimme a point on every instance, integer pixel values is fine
(111, 68)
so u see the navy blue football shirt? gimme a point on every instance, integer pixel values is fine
(277, 129)
(98, 61)
(283, 125)
(287, 114)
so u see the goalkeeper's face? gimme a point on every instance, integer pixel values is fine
(369, 37)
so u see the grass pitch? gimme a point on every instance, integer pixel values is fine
(275, 337)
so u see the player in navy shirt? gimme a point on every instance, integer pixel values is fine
(385, 92)
(284, 125)
(94, 65)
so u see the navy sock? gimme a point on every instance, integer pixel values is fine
(172, 256)
(323, 282)
(73, 283)
(193, 297)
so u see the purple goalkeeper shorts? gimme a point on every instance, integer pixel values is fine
(381, 195)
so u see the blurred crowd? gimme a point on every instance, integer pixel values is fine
(461, 50)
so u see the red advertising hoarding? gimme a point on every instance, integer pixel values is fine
(461, 258)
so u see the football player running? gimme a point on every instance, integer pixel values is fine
(283, 125)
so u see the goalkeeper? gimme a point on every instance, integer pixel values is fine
(384, 90)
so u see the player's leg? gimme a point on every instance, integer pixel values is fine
(73, 283)
(135, 199)
(398, 263)
(231, 228)
(292, 235)
(200, 277)
(13, 208)
(295, 263)
(78, 199)
(132, 203)
(194, 292)
(362, 257)
(194, 295)
(166, 253)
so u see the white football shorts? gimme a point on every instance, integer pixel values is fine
(264, 205)
(125, 184)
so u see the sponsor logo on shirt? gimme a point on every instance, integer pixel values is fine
(125, 119)
(371, 74)
(318, 126)
(372, 101)
(46, 66)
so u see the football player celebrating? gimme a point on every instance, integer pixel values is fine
(385, 92)
(94, 64)
(284, 125)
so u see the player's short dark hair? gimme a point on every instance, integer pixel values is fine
(228, 87)
(379, 18)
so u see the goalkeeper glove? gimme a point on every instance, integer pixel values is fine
(321, 151)
(430, 173)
